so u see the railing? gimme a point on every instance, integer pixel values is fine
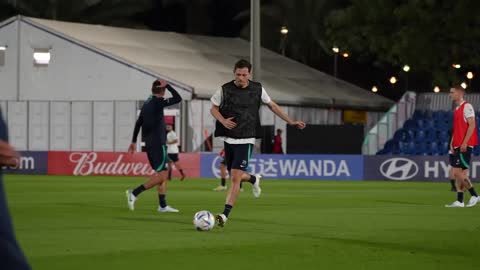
(376, 138)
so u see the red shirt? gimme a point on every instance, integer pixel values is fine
(277, 145)
(460, 126)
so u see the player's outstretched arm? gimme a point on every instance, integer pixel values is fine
(280, 113)
(176, 98)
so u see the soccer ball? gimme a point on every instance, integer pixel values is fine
(203, 220)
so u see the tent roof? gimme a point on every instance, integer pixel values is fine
(204, 63)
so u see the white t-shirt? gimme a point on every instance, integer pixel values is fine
(172, 148)
(468, 110)
(217, 100)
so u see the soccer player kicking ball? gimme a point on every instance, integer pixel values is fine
(152, 122)
(236, 108)
(464, 138)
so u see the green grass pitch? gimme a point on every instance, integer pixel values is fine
(84, 223)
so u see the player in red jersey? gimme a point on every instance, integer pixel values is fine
(464, 138)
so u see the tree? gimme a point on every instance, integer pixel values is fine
(304, 20)
(428, 35)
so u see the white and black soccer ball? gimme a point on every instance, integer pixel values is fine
(203, 220)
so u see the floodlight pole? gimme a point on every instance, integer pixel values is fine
(255, 53)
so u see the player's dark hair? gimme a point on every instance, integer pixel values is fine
(157, 88)
(243, 64)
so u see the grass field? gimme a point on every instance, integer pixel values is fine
(83, 223)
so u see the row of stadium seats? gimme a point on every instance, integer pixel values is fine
(418, 148)
(425, 133)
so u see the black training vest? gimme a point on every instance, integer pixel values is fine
(242, 104)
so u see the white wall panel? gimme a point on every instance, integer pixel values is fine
(8, 72)
(103, 125)
(60, 126)
(267, 117)
(195, 124)
(38, 128)
(82, 126)
(207, 119)
(125, 117)
(18, 124)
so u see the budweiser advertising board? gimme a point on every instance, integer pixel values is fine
(113, 163)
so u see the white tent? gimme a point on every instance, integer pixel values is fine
(98, 71)
(204, 63)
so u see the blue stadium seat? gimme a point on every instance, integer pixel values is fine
(410, 124)
(420, 135)
(418, 114)
(444, 145)
(433, 149)
(431, 134)
(437, 115)
(443, 136)
(420, 123)
(410, 149)
(430, 124)
(476, 151)
(445, 114)
(421, 148)
(402, 148)
(449, 115)
(389, 145)
(441, 124)
(400, 135)
(411, 134)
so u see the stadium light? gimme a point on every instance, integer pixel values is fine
(283, 41)
(393, 80)
(41, 57)
(345, 55)
(335, 50)
(436, 89)
(406, 68)
(374, 89)
(470, 77)
(457, 66)
(463, 85)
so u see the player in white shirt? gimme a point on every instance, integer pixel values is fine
(172, 151)
(236, 108)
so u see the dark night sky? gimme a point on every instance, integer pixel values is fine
(191, 19)
(216, 18)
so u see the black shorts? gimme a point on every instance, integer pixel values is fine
(461, 160)
(173, 157)
(157, 156)
(237, 156)
(451, 159)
